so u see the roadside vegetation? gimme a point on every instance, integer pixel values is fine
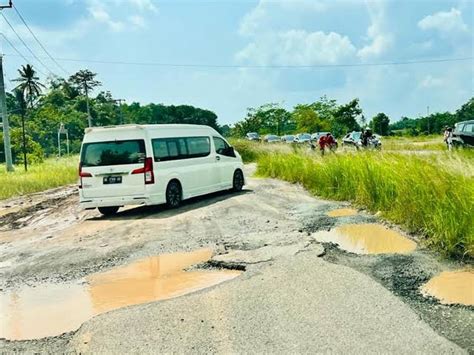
(42, 176)
(430, 194)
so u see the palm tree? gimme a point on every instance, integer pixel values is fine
(85, 82)
(27, 91)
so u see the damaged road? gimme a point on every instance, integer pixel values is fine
(294, 294)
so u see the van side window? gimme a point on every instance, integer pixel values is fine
(198, 146)
(165, 149)
(222, 148)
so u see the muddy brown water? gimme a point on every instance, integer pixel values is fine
(367, 239)
(342, 212)
(452, 287)
(52, 309)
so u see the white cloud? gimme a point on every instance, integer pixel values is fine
(144, 5)
(431, 82)
(381, 39)
(99, 14)
(267, 12)
(445, 22)
(137, 21)
(297, 47)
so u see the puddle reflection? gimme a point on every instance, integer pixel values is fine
(452, 287)
(342, 212)
(367, 239)
(52, 309)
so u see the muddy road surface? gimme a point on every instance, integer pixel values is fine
(254, 271)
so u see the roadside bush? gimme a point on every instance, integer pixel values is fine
(415, 192)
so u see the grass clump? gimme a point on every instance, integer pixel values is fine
(39, 177)
(415, 192)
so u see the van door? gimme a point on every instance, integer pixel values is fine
(225, 161)
(113, 168)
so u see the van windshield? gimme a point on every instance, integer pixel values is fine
(113, 153)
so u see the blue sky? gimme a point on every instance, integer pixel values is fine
(264, 33)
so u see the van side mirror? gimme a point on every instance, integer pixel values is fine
(228, 152)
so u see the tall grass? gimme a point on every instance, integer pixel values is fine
(421, 143)
(49, 174)
(415, 192)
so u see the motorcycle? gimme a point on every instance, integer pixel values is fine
(373, 143)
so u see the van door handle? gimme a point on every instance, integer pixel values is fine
(218, 158)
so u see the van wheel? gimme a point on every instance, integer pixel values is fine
(108, 211)
(173, 194)
(238, 181)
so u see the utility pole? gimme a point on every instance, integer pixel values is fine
(119, 101)
(6, 127)
(3, 109)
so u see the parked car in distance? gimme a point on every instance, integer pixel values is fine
(352, 139)
(289, 138)
(154, 164)
(271, 138)
(302, 138)
(252, 136)
(463, 134)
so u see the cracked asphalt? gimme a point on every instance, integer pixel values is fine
(292, 297)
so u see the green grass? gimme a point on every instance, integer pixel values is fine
(425, 143)
(49, 174)
(413, 191)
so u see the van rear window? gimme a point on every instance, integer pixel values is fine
(113, 153)
(165, 149)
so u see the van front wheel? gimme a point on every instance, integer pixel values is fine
(108, 211)
(238, 181)
(173, 194)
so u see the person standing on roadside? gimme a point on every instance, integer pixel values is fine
(322, 141)
(448, 137)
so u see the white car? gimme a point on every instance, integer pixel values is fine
(154, 164)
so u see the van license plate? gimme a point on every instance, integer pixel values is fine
(112, 180)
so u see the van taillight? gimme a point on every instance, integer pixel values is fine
(82, 174)
(147, 170)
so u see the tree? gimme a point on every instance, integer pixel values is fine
(308, 120)
(26, 92)
(85, 82)
(268, 118)
(380, 123)
(345, 117)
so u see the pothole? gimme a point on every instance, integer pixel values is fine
(367, 239)
(342, 212)
(52, 309)
(452, 287)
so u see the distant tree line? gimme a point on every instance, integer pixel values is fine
(327, 115)
(42, 108)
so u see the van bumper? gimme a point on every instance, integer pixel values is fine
(91, 203)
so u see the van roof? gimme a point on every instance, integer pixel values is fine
(147, 127)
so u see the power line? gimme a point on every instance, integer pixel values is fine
(38, 41)
(191, 65)
(24, 43)
(19, 53)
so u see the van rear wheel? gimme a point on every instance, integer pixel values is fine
(238, 181)
(108, 211)
(173, 194)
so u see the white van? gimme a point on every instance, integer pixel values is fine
(154, 164)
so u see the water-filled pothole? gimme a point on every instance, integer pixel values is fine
(342, 212)
(367, 239)
(52, 309)
(452, 287)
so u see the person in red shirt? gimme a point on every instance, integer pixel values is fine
(322, 143)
